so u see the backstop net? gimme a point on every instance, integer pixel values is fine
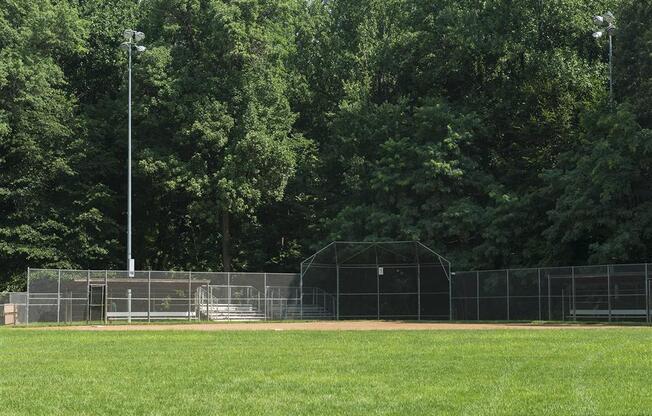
(378, 280)
(589, 293)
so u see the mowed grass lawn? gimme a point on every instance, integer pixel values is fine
(517, 372)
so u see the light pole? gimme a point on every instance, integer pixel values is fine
(132, 38)
(607, 24)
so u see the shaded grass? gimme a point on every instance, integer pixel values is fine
(552, 372)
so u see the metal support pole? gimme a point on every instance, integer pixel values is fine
(149, 296)
(477, 294)
(609, 291)
(265, 284)
(507, 281)
(129, 262)
(377, 284)
(549, 300)
(416, 252)
(206, 301)
(301, 293)
(129, 305)
(539, 290)
(228, 296)
(189, 297)
(573, 304)
(337, 285)
(88, 295)
(647, 296)
(450, 293)
(106, 296)
(58, 295)
(27, 300)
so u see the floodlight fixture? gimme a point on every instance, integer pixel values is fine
(141, 48)
(128, 34)
(609, 20)
(139, 36)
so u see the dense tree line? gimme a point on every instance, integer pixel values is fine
(265, 128)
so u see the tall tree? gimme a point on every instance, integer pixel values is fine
(217, 76)
(48, 217)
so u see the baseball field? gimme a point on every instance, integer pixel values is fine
(281, 369)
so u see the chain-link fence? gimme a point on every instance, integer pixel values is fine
(381, 280)
(403, 280)
(107, 295)
(608, 292)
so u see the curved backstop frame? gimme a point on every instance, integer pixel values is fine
(379, 280)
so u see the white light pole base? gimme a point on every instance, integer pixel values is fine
(132, 267)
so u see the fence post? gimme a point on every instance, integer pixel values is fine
(377, 284)
(574, 306)
(647, 296)
(539, 289)
(106, 296)
(207, 294)
(450, 292)
(301, 293)
(265, 294)
(189, 297)
(416, 252)
(477, 294)
(507, 281)
(88, 295)
(549, 300)
(337, 284)
(128, 305)
(609, 291)
(58, 294)
(27, 300)
(228, 296)
(149, 295)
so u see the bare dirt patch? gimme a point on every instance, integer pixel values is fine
(323, 326)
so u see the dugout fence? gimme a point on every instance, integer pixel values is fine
(62, 296)
(580, 293)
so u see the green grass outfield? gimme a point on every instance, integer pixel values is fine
(516, 372)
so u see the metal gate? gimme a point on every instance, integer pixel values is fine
(97, 302)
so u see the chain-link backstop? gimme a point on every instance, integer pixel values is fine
(381, 280)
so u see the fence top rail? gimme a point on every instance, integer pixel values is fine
(32, 270)
(552, 268)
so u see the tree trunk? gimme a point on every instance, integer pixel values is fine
(226, 241)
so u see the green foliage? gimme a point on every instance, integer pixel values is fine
(602, 213)
(267, 128)
(49, 217)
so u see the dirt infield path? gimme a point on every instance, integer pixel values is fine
(320, 326)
